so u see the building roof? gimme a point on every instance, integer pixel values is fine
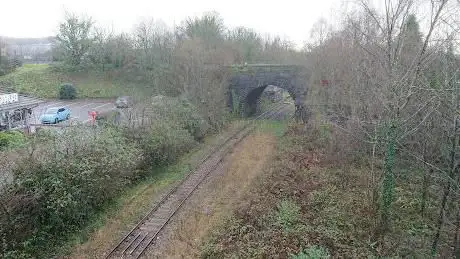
(23, 102)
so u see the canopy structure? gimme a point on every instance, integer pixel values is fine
(16, 110)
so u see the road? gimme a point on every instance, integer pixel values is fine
(78, 108)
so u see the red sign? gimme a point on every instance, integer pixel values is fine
(324, 82)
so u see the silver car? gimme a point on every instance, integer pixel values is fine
(124, 102)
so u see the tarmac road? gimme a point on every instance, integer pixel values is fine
(79, 109)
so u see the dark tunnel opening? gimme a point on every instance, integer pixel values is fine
(268, 97)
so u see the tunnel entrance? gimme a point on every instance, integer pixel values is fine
(268, 97)
(247, 82)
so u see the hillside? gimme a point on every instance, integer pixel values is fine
(27, 41)
(28, 50)
(42, 80)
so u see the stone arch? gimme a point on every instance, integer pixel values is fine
(248, 82)
(252, 98)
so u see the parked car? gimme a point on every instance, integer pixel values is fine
(124, 102)
(55, 115)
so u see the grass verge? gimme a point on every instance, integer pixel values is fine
(43, 81)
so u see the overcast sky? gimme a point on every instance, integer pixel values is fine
(288, 18)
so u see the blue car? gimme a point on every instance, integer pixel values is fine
(55, 115)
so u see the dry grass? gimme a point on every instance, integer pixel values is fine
(216, 199)
(331, 212)
(335, 212)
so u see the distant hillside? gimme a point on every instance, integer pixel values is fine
(27, 41)
(29, 50)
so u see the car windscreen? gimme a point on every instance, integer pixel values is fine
(122, 99)
(51, 111)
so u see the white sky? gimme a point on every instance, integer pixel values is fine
(291, 19)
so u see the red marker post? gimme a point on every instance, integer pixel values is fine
(92, 115)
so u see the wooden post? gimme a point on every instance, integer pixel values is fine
(25, 114)
(9, 119)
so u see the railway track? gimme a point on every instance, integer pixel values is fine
(135, 243)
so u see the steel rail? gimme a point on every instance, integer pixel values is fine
(138, 240)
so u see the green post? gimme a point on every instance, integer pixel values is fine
(388, 183)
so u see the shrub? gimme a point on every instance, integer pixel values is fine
(313, 252)
(67, 92)
(67, 178)
(163, 143)
(180, 112)
(10, 139)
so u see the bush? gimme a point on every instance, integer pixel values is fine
(164, 143)
(182, 113)
(174, 127)
(67, 92)
(67, 178)
(9, 139)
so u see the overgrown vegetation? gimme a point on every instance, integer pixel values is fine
(393, 87)
(376, 173)
(63, 178)
(62, 183)
(67, 92)
(310, 204)
(11, 139)
(215, 199)
(164, 143)
(182, 113)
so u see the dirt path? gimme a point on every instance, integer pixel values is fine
(212, 202)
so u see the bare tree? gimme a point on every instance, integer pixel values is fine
(154, 46)
(99, 51)
(209, 29)
(382, 65)
(248, 43)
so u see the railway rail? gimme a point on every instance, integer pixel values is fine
(135, 243)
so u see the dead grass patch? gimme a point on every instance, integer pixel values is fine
(311, 198)
(215, 199)
(297, 203)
